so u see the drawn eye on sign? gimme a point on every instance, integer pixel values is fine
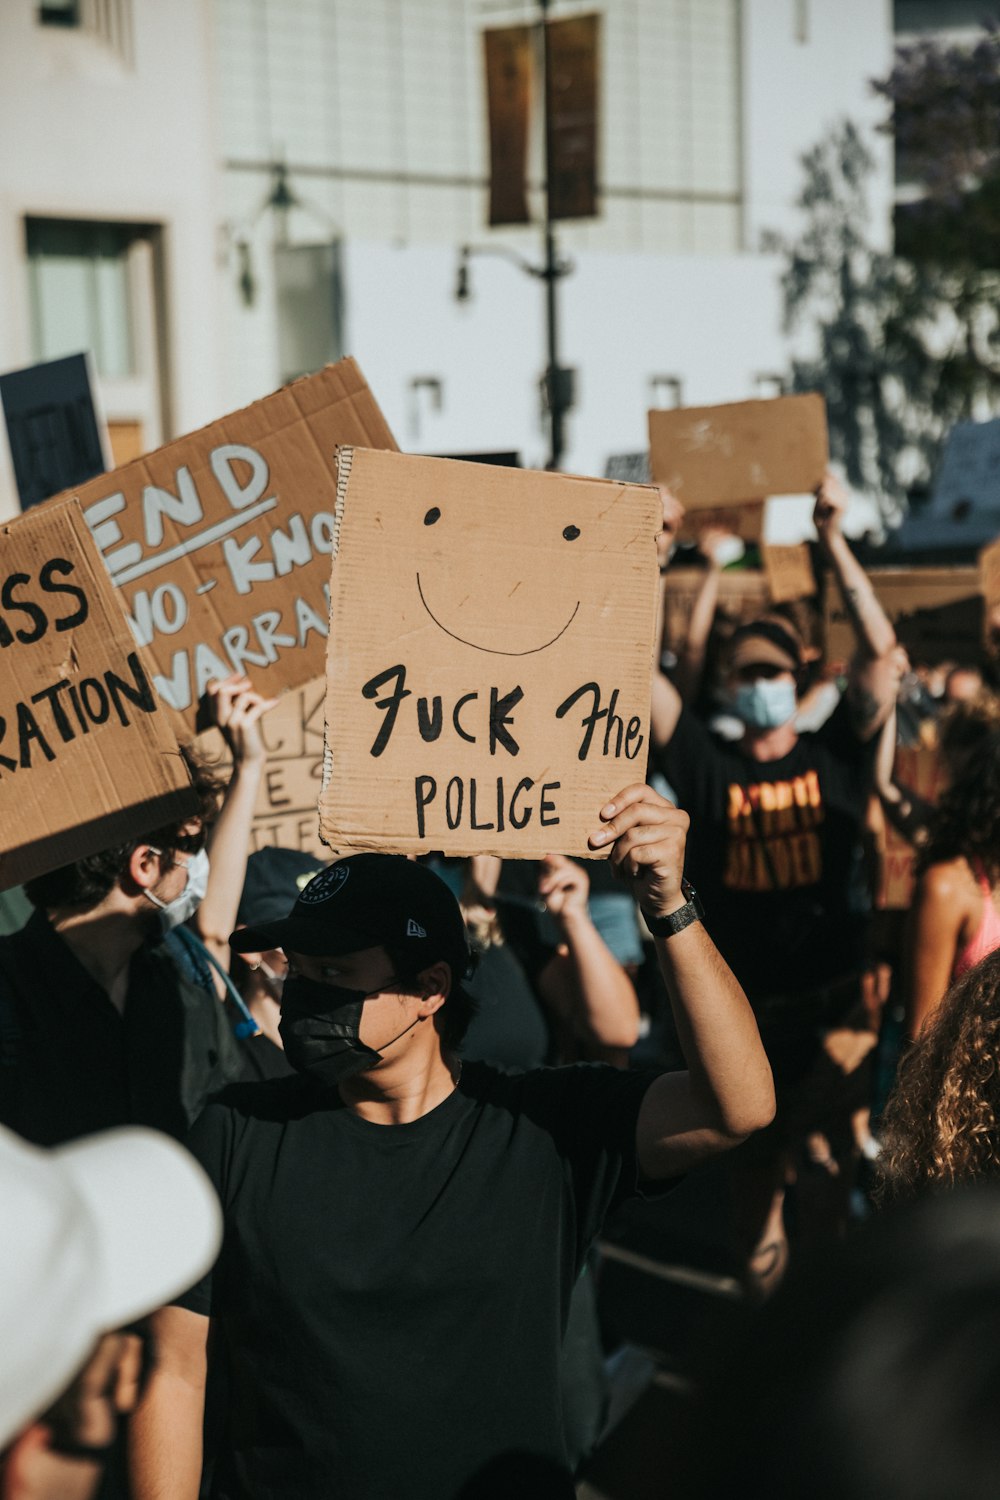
(490, 656)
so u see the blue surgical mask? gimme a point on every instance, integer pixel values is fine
(765, 704)
(181, 908)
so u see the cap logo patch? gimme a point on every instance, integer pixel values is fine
(414, 929)
(324, 885)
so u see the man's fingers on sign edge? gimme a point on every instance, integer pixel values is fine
(638, 805)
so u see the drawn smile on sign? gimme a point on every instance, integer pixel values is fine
(570, 534)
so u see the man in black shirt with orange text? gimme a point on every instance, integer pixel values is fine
(778, 815)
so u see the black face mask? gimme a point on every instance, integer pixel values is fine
(320, 1026)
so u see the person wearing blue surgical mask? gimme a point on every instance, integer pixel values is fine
(779, 813)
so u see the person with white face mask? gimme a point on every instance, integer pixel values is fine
(105, 1018)
(778, 814)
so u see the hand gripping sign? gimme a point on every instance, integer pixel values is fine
(490, 656)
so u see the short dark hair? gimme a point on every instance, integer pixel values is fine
(87, 881)
(455, 1016)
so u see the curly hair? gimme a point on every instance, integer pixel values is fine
(966, 821)
(963, 726)
(941, 1123)
(87, 881)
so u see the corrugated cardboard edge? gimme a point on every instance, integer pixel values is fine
(345, 458)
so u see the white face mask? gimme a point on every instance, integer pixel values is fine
(174, 912)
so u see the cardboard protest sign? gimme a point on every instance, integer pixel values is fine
(714, 456)
(920, 772)
(490, 656)
(937, 613)
(86, 753)
(989, 574)
(743, 595)
(220, 542)
(789, 572)
(286, 814)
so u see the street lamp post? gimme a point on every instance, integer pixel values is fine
(557, 383)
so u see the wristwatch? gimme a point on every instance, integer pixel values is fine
(691, 911)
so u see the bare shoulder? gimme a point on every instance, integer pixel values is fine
(948, 880)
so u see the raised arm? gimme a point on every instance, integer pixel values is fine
(727, 1091)
(237, 709)
(873, 679)
(691, 664)
(165, 1434)
(583, 982)
(666, 701)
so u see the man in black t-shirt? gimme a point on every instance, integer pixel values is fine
(778, 817)
(403, 1233)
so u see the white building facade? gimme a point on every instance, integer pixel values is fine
(375, 110)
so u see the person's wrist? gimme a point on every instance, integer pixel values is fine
(666, 907)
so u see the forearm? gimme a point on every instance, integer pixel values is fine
(606, 1010)
(728, 1068)
(870, 622)
(165, 1440)
(229, 847)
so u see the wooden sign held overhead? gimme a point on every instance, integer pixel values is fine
(286, 814)
(789, 572)
(220, 542)
(87, 758)
(712, 456)
(490, 657)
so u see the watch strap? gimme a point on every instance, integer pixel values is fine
(676, 921)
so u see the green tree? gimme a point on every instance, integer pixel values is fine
(901, 348)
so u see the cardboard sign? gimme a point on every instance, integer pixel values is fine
(56, 437)
(937, 613)
(789, 572)
(713, 456)
(743, 596)
(989, 574)
(86, 755)
(919, 771)
(220, 542)
(490, 659)
(286, 814)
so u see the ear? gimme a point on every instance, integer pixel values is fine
(144, 866)
(435, 985)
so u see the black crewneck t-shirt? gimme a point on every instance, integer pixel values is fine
(392, 1298)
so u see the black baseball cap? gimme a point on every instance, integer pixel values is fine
(367, 901)
(273, 881)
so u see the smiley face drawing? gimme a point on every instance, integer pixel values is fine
(505, 563)
(570, 533)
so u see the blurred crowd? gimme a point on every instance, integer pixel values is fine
(389, 1178)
